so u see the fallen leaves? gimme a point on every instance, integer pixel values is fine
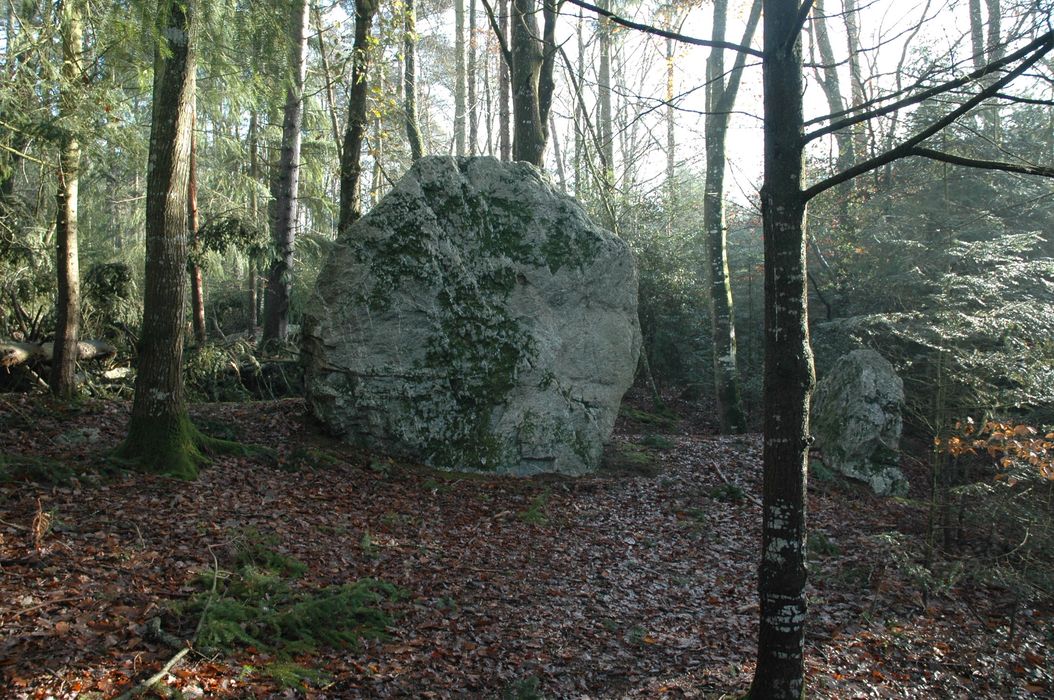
(601, 586)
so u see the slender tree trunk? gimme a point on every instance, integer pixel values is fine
(350, 165)
(160, 436)
(67, 303)
(504, 88)
(197, 292)
(331, 102)
(580, 114)
(459, 77)
(560, 172)
(377, 144)
(285, 184)
(720, 99)
(832, 89)
(473, 107)
(413, 133)
(856, 75)
(788, 381)
(607, 139)
(671, 140)
(254, 205)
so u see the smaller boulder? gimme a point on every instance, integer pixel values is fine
(856, 420)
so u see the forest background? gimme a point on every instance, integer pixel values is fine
(945, 269)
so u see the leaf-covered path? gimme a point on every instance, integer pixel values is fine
(621, 585)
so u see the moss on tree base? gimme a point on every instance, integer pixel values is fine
(173, 446)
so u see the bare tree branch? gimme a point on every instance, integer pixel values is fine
(647, 28)
(905, 149)
(982, 164)
(1044, 40)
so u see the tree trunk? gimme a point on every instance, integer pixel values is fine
(528, 141)
(197, 292)
(830, 83)
(788, 367)
(413, 133)
(470, 76)
(607, 139)
(856, 75)
(67, 303)
(160, 436)
(532, 78)
(720, 99)
(350, 164)
(671, 140)
(254, 177)
(284, 185)
(377, 144)
(459, 77)
(504, 88)
(331, 102)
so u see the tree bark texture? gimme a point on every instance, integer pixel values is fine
(720, 99)
(160, 437)
(68, 300)
(284, 184)
(607, 138)
(459, 77)
(413, 132)
(788, 377)
(197, 291)
(355, 131)
(832, 88)
(471, 80)
(504, 88)
(532, 78)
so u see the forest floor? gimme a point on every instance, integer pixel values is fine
(636, 582)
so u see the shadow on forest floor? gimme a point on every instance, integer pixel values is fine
(637, 582)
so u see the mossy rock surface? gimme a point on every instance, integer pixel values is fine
(475, 319)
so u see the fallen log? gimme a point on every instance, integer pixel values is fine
(12, 353)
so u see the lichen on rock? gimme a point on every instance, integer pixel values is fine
(856, 419)
(475, 319)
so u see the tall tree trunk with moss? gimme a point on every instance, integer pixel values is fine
(351, 153)
(197, 291)
(531, 55)
(721, 95)
(67, 303)
(413, 132)
(254, 206)
(161, 438)
(284, 184)
(788, 377)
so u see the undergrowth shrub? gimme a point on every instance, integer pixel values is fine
(256, 603)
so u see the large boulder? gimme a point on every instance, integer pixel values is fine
(856, 420)
(475, 319)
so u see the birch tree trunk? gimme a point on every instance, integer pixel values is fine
(350, 164)
(413, 132)
(68, 302)
(284, 184)
(788, 378)
(160, 436)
